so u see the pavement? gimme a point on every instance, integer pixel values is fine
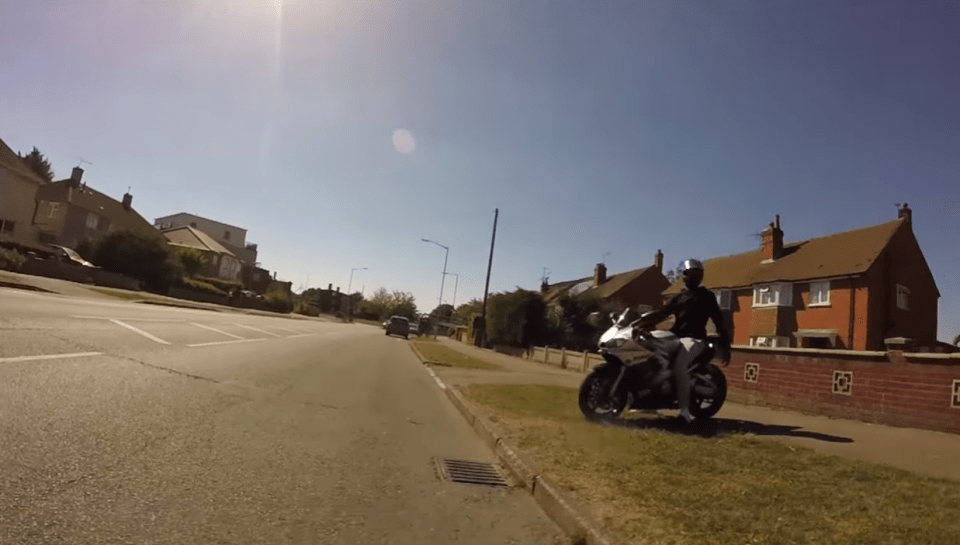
(130, 423)
(919, 451)
(74, 289)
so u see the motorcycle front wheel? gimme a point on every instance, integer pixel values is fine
(595, 402)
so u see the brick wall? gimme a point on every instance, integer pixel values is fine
(911, 390)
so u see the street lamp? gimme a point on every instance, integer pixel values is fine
(350, 285)
(455, 284)
(444, 276)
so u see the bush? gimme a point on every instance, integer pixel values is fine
(517, 318)
(191, 260)
(10, 260)
(225, 285)
(199, 285)
(140, 255)
(279, 299)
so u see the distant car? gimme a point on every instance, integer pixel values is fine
(414, 328)
(69, 255)
(398, 325)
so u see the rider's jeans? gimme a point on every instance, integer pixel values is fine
(684, 352)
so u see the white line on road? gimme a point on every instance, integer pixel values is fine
(50, 357)
(140, 331)
(259, 330)
(218, 343)
(435, 378)
(215, 330)
(127, 319)
(285, 330)
(302, 335)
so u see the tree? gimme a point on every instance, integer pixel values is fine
(574, 330)
(138, 255)
(675, 274)
(465, 312)
(517, 318)
(443, 312)
(36, 162)
(383, 303)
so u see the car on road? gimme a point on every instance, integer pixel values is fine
(414, 328)
(398, 325)
(70, 256)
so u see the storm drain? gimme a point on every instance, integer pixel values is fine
(464, 471)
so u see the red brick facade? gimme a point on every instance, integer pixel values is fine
(910, 390)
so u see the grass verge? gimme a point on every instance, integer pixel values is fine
(664, 487)
(127, 295)
(437, 354)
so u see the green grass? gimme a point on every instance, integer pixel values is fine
(437, 354)
(663, 487)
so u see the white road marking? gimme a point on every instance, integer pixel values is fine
(286, 330)
(140, 331)
(219, 343)
(301, 335)
(440, 384)
(259, 330)
(128, 319)
(215, 330)
(50, 357)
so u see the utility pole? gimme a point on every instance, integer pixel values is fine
(481, 337)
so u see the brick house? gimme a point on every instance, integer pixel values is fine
(220, 262)
(865, 289)
(637, 287)
(67, 212)
(18, 191)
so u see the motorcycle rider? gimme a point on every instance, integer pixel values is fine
(691, 308)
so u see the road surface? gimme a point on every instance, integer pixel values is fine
(131, 423)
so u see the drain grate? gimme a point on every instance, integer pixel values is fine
(464, 471)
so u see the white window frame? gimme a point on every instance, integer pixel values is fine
(781, 295)
(903, 297)
(820, 294)
(770, 342)
(92, 220)
(54, 206)
(723, 298)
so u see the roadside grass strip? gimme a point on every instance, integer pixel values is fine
(665, 487)
(437, 354)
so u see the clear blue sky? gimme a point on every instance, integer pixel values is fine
(593, 125)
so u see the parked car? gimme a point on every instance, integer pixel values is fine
(398, 325)
(414, 328)
(70, 256)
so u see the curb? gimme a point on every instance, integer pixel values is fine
(19, 286)
(567, 511)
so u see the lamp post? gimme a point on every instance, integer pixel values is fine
(443, 277)
(456, 282)
(350, 285)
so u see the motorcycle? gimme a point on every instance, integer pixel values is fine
(636, 373)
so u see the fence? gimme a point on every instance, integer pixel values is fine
(901, 389)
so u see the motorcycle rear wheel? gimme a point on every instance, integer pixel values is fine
(594, 399)
(703, 407)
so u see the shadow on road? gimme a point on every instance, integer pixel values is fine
(723, 427)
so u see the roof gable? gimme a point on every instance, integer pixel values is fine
(13, 162)
(839, 254)
(615, 283)
(190, 237)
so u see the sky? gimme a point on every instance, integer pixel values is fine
(340, 133)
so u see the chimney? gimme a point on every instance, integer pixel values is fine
(599, 274)
(544, 287)
(330, 286)
(772, 241)
(76, 175)
(905, 213)
(658, 261)
(127, 199)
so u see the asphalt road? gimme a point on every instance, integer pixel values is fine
(129, 423)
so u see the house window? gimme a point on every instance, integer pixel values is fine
(226, 235)
(53, 210)
(193, 224)
(723, 298)
(820, 293)
(903, 297)
(92, 220)
(773, 295)
(8, 227)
